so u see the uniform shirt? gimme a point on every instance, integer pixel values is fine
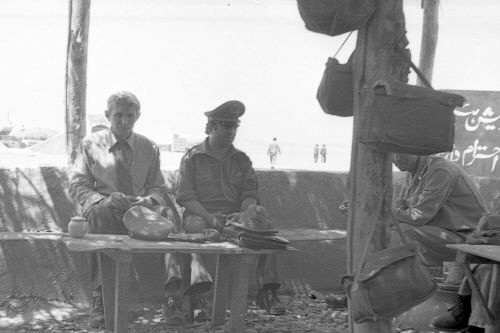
(219, 185)
(441, 194)
(94, 173)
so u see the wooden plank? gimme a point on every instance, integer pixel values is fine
(222, 271)
(107, 269)
(302, 235)
(14, 235)
(245, 265)
(122, 277)
(491, 252)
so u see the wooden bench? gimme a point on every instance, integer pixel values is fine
(116, 252)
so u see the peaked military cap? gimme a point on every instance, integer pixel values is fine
(228, 111)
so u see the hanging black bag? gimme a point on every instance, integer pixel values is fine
(388, 282)
(335, 89)
(335, 17)
(409, 119)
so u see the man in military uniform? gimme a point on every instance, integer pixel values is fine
(215, 180)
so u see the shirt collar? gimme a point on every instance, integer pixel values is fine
(422, 166)
(202, 148)
(112, 141)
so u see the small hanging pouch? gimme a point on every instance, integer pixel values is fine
(388, 282)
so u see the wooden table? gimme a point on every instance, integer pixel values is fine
(483, 254)
(116, 252)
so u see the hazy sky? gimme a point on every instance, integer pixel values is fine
(184, 57)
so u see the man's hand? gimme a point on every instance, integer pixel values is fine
(218, 221)
(344, 207)
(117, 202)
(401, 204)
(140, 201)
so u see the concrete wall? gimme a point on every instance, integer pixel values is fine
(37, 200)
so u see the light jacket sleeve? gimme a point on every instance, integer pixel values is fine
(437, 189)
(155, 182)
(82, 182)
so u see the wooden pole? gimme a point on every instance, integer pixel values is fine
(76, 75)
(430, 29)
(370, 179)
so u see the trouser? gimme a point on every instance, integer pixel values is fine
(432, 241)
(103, 220)
(483, 275)
(188, 275)
(273, 158)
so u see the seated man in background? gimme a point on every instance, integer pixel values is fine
(115, 168)
(216, 180)
(438, 205)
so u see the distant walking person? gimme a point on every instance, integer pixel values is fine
(323, 154)
(273, 151)
(316, 153)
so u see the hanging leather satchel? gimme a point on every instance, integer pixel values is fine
(335, 91)
(410, 119)
(335, 17)
(388, 282)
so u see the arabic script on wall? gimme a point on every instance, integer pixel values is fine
(477, 133)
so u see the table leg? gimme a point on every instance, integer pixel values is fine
(107, 268)
(240, 291)
(222, 270)
(475, 288)
(115, 270)
(495, 327)
(122, 292)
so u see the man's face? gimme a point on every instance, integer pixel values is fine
(122, 118)
(223, 133)
(405, 162)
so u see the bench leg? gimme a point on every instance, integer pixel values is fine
(240, 291)
(107, 268)
(115, 270)
(222, 270)
(122, 280)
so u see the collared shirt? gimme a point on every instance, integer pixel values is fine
(441, 194)
(94, 175)
(219, 185)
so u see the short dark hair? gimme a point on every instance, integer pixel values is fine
(124, 98)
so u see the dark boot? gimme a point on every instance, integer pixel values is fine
(457, 318)
(96, 319)
(268, 300)
(173, 314)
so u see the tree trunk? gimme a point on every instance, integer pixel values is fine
(370, 178)
(76, 75)
(430, 29)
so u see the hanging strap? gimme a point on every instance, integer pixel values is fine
(372, 232)
(342, 45)
(420, 75)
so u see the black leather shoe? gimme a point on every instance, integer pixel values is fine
(268, 300)
(172, 311)
(456, 319)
